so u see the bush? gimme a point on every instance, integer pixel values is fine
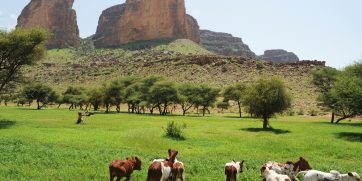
(300, 112)
(175, 131)
(313, 112)
(290, 112)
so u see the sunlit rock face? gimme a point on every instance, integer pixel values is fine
(138, 20)
(55, 15)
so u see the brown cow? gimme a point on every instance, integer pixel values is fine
(160, 169)
(124, 168)
(232, 169)
(178, 171)
(289, 168)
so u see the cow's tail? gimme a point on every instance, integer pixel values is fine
(301, 172)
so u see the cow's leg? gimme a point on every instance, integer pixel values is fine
(128, 177)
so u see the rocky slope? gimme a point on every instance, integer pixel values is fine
(279, 56)
(138, 20)
(225, 44)
(55, 15)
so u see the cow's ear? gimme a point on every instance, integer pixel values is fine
(242, 161)
(350, 174)
(234, 161)
(301, 158)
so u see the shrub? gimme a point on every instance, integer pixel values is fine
(313, 112)
(175, 131)
(300, 112)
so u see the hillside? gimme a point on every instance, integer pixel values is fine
(179, 60)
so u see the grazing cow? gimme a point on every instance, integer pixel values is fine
(178, 171)
(315, 175)
(160, 170)
(270, 175)
(289, 168)
(232, 169)
(124, 168)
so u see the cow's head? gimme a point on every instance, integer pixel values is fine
(172, 155)
(302, 165)
(353, 176)
(138, 163)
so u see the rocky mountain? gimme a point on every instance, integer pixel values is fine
(279, 56)
(138, 20)
(55, 15)
(225, 44)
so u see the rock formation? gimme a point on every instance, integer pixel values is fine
(279, 56)
(55, 15)
(225, 44)
(138, 20)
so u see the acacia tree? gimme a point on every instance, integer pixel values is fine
(18, 48)
(206, 97)
(346, 95)
(325, 79)
(163, 94)
(235, 93)
(95, 98)
(41, 93)
(266, 98)
(187, 95)
(75, 96)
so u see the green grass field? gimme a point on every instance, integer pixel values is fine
(47, 145)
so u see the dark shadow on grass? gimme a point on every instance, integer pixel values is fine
(6, 124)
(176, 138)
(359, 124)
(272, 130)
(348, 136)
(238, 117)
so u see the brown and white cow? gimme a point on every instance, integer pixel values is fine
(289, 168)
(271, 175)
(160, 169)
(178, 171)
(124, 168)
(315, 175)
(232, 169)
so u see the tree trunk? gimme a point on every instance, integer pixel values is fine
(343, 118)
(265, 123)
(203, 111)
(239, 104)
(332, 119)
(38, 103)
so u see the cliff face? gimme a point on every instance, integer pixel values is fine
(225, 44)
(138, 20)
(279, 56)
(55, 15)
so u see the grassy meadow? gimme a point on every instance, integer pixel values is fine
(47, 145)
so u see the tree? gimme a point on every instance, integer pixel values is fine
(75, 96)
(187, 94)
(18, 48)
(162, 94)
(325, 79)
(235, 93)
(41, 93)
(114, 95)
(266, 98)
(95, 98)
(346, 94)
(222, 105)
(206, 97)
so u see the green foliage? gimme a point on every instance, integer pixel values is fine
(163, 94)
(175, 131)
(235, 93)
(95, 98)
(222, 105)
(188, 94)
(206, 97)
(41, 93)
(266, 98)
(18, 48)
(325, 78)
(75, 96)
(313, 112)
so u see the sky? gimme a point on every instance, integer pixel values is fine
(328, 30)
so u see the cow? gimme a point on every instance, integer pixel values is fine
(289, 168)
(160, 169)
(178, 171)
(315, 175)
(124, 168)
(271, 175)
(232, 169)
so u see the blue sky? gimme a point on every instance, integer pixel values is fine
(329, 30)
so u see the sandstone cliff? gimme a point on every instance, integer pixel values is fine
(225, 44)
(55, 15)
(138, 20)
(279, 56)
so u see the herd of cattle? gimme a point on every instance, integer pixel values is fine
(172, 169)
